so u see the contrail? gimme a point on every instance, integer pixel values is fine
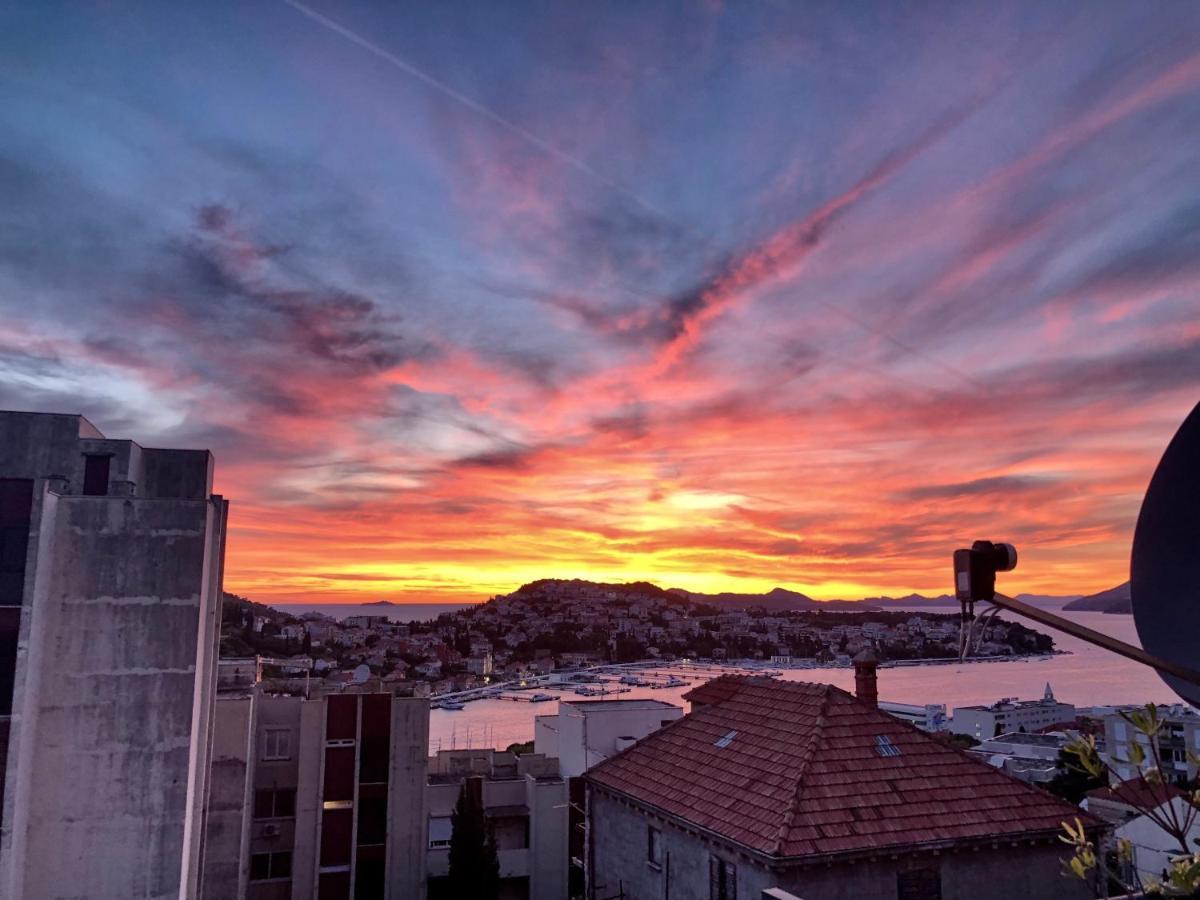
(474, 105)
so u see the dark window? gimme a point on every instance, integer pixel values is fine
(341, 722)
(264, 866)
(919, 884)
(375, 742)
(653, 845)
(274, 804)
(95, 475)
(337, 826)
(339, 773)
(16, 509)
(372, 820)
(369, 878)
(722, 879)
(334, 886)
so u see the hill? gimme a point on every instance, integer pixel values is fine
(1114, 600)
(776, 600)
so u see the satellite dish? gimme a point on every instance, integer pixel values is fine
(1165, 568)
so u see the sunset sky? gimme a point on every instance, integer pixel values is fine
(720, 295)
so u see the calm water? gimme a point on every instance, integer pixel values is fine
(1088, 677)
(401, 612)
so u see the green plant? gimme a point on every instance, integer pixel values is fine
(1175, 819)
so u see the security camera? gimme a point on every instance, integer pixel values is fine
(975, 569)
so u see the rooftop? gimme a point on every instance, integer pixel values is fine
(600, 705)
(794, 769)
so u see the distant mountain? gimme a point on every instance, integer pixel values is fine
(1114, 600)
(776, 600)
(380, 603)
(909, 600)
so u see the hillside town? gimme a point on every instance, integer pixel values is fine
(553, 624)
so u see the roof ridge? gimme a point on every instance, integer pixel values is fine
(807, 756)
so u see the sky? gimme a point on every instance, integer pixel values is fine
(723, 296)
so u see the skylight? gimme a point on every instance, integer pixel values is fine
(885, 747)
(726, 740)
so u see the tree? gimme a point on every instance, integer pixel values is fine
(474, 865)
(1073, 782)
(1175, 819)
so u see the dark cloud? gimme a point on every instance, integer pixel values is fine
(980, 487)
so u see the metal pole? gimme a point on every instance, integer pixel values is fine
(1098, 638)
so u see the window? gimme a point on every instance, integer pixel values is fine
(440, 829)
(722, 879)
(653, 846)
(919, 884)
(277, 744)
(95, 475)
(275, 804)
(266, 866)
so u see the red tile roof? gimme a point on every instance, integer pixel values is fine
(803, 774)
(1138, 792)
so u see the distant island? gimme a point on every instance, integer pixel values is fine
(1114, 600)
(381, 603)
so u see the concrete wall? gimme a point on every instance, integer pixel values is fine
(618, 835)
(113, 674)
(587, 732)
(407, 815)
(231, 797)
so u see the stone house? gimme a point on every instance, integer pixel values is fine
(805, 788)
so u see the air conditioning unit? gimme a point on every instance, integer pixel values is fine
(271, 829)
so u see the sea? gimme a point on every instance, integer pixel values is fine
(1084, 675)
(397, 612)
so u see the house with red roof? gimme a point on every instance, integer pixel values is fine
(806, 788)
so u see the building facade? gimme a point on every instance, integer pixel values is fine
(319, 797)
(524, 799)
(982, 722)
(586, 732)
(111, 559)
(1178, 736)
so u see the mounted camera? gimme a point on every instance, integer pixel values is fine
(975, 569)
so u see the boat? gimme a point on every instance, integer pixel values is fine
(451, 704)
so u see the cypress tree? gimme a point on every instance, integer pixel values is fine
(474, 865)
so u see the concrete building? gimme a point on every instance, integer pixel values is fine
(1179, 734)
(1031, 757)
(320, 797)
(585, 732)
(927, 717)
(111, 558)
(1126, 806)
(771, 787)
(982, 722)
(525, 801)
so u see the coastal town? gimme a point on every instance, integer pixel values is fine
(553, 625)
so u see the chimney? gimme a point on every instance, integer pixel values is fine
(866, 685)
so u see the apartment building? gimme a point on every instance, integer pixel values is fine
(317, 796)
(585, 732)
(982, 722)
(1178, 735)
(525, 801)
(111, 560)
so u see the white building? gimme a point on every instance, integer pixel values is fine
(585, 732)
(1030, 757)
(524, 799)
(1153, 847)
(1010, 714)
(927, 717)
(1180, 733)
